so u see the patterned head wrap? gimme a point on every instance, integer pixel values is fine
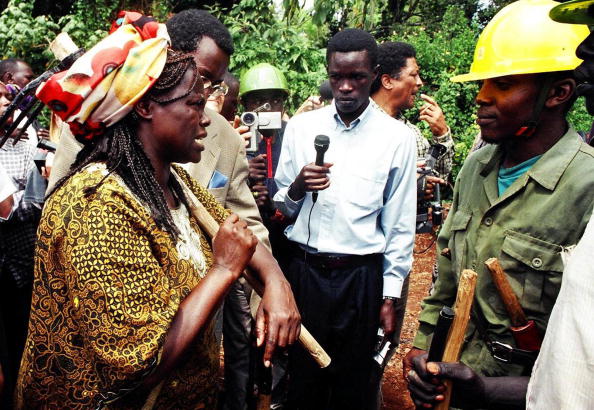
(105, 83)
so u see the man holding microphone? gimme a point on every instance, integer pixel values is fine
(352, 247)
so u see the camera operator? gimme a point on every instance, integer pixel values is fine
(262, 92)
(265, 85)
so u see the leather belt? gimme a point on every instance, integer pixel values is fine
(504, 353)
(338, 262)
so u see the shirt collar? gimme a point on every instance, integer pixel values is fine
(548, 170)
(360, 119)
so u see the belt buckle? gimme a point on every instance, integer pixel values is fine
(501, 352)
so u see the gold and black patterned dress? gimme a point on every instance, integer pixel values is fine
(107, 285)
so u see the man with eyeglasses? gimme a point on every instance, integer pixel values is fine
(223, 169)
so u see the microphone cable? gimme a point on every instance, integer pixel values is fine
(308, 231)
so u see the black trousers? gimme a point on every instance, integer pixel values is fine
(340, 307)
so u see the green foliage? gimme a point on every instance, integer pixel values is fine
(25, 36)
(88, 22)
(578, 116)
(28, 37)
(294, 46)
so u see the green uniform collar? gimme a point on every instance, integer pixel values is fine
(545, 172)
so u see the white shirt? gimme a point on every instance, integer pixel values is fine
(7, 188)
(370, 206)
(17, 162)
(563, 376)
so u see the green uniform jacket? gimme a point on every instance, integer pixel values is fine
(541, 214)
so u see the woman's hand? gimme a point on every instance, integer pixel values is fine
(233, 246)
(278, 322)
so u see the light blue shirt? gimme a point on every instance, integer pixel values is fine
(370, 206)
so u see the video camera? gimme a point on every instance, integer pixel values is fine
(424, 223)
(259, 120)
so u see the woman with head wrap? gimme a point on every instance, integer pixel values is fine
(125, 280)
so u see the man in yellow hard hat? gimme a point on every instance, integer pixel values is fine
(510, 202)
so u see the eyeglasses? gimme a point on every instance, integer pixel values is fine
(214, 90)
(220, 90)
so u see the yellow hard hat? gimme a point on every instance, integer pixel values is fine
(575, 12)
(522, 39)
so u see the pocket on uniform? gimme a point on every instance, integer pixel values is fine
(460, 220)
(534, 268)
(457, 244)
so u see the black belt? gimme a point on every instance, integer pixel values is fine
(502, 352)
(505, 353)
(337, 262)
(326, 261)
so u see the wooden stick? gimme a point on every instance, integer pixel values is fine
(62, 46)
(455, 341)
(510, 300)
(211, 227)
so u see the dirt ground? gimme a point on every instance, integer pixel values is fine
(394, 388)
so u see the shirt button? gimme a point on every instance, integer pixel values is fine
(488, 221)
(537, 262)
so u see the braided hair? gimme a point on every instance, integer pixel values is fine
(122, 151)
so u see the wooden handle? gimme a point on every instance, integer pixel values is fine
(264, 402)
(62, 46)
(509, 298)
(453, 348)
(211, 227)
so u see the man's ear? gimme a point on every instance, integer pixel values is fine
(386, 83)
(561, 92)
(144, 109)
(375, 72)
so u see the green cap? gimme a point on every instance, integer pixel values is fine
(263, 76)
(574, 12)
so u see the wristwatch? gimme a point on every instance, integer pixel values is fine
(392, 298)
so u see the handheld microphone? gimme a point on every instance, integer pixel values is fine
(321, 144)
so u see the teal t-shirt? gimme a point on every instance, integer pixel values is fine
(507, 176)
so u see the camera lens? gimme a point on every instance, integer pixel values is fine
(248, 118)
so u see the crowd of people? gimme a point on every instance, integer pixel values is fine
(115, 292)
